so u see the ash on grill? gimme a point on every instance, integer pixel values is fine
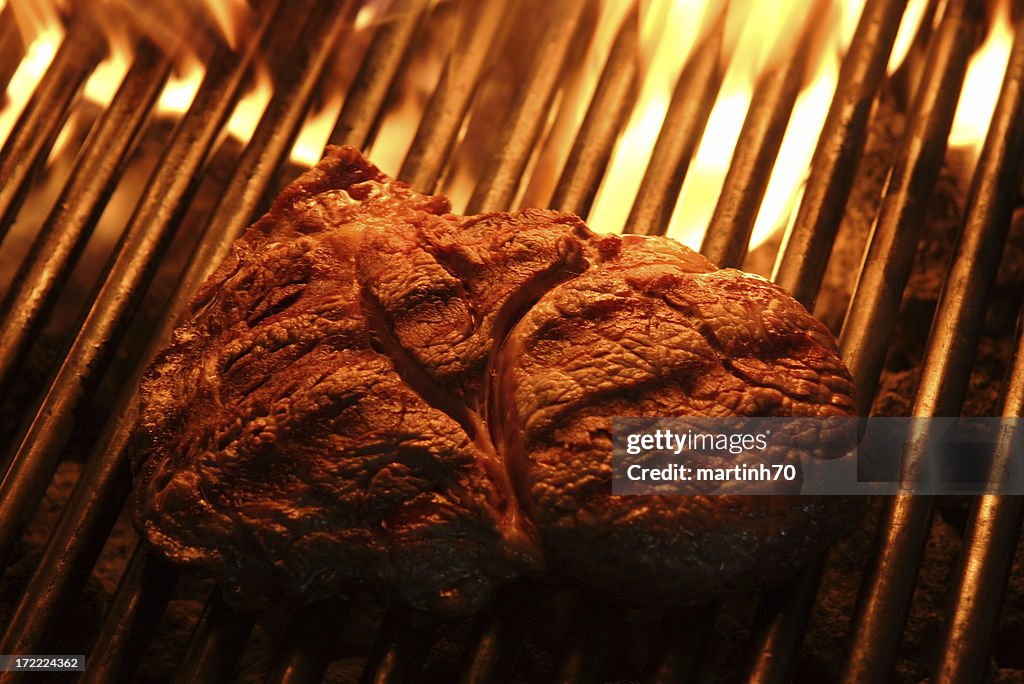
(116, 200)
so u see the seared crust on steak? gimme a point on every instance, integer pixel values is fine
(282, 451)
(372, 391)
(658, 331)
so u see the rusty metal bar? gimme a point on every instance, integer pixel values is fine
(864, 341)
(984, 566)
(525, 120)
(888, 587)
(607, 114)
(757, 147)
(683, 638)
(305, 652)
(450, 100)
(99, 495)
(44, 115)
(217, 642)
(802, 263)
(692, 101)
(365, 100)
(131, 620)
(402, 645)
(85, 194)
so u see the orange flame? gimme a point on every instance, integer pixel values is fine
(982, 84)
(40, 25)
(669, 31)
(764, 36)
(249, 110)
(181, 88)
(909, 25)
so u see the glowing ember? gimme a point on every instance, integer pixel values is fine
(982, 84)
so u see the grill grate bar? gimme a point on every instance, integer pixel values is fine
(145, 239)
(784, 612)
(44, 115)
(873, 309)
(779, 625)
(688, 112)
(305, 652)
(802, 263)
(449, 103)
(65, 232)
(606, 115)
(893, 243)
(90, 514)
(757, 147)
(872, 312)
(138, 603)
(522, 126)
(267, 149)
(683, 639)
(983, 568)
(400, 649)
(585, 655)
(956, 329)
(496, 641)
(366, 96)
(216, 644)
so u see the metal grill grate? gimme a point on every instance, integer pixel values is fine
(299, 39)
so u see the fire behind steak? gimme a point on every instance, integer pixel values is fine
(372, 391)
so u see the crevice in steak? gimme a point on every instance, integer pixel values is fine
(411, 372)
(512, 311)
(417, 379)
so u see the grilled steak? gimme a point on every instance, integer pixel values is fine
(372, 391)
(658, 331)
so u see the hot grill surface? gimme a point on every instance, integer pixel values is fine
(874, 203)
